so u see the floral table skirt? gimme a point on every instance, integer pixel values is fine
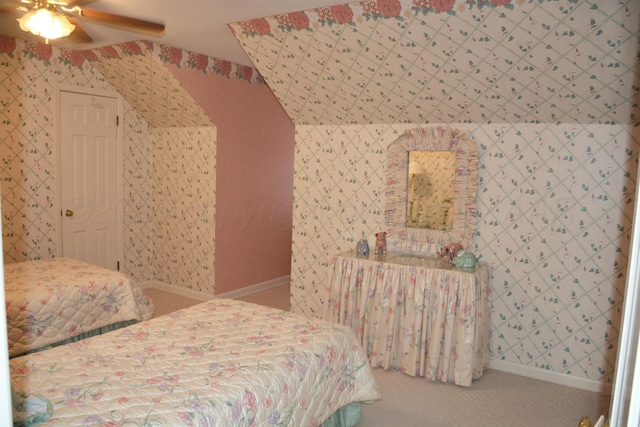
(420, 315)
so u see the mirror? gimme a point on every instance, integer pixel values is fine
(430, 180)
(403, 233)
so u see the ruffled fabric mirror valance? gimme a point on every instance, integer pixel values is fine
(428, 241)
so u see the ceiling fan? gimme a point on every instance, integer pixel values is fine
(54, 19)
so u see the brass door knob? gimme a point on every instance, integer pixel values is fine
(68, 212)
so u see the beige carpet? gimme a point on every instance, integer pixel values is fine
(498, 399)
(166, 302)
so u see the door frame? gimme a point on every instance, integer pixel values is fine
(58, 163)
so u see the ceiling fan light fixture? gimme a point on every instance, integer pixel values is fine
(46, 23)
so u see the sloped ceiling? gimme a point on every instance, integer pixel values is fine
(135, 70)
(445, 61)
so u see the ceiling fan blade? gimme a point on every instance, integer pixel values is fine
(6, 8)
(14, 3)
(122, 21)
(78, 35)
(74, 3)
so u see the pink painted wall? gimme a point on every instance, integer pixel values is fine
(254, 177)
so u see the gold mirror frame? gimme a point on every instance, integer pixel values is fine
(465, 190)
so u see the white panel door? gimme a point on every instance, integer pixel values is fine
(89, 168)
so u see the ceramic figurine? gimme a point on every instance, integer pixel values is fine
(363, 247)
(450, 250)
(381, 243)
(466, 260)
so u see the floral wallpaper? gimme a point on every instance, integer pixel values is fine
(138, 195)
(135, 71)
(28, 75)
(157, 112)
(545, 88)
(417, 61)
(207, 64)
(184, 207)
(183, 158)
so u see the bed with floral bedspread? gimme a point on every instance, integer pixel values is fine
(219, 363)
(59, 300)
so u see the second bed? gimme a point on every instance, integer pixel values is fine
(55, 301)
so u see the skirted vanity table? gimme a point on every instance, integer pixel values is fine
(421, 315)
(411, 309)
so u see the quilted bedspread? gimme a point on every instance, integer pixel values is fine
(53, 300)
(219, 363)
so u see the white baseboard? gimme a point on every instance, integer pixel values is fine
(552, 377)
(201, 296)
(256, 288)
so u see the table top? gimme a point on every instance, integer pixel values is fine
(411, 260)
